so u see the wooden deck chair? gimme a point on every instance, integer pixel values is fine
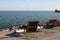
(32, 26)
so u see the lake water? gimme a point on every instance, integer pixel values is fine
(8, 18)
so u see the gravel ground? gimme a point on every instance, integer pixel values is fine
(43, 34)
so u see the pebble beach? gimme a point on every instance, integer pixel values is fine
(43, 34)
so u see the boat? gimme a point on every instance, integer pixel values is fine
(57, 10)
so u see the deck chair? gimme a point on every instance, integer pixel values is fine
(32, 26)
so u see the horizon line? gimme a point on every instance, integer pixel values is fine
(26, 10)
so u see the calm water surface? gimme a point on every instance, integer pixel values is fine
(8, 18)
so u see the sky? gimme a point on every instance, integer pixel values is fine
(29, 5)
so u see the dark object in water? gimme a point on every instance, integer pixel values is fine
(57, 10)
(32, 26)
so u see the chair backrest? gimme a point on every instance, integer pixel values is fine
(52, 21)
(33, 23)
(32, 26)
